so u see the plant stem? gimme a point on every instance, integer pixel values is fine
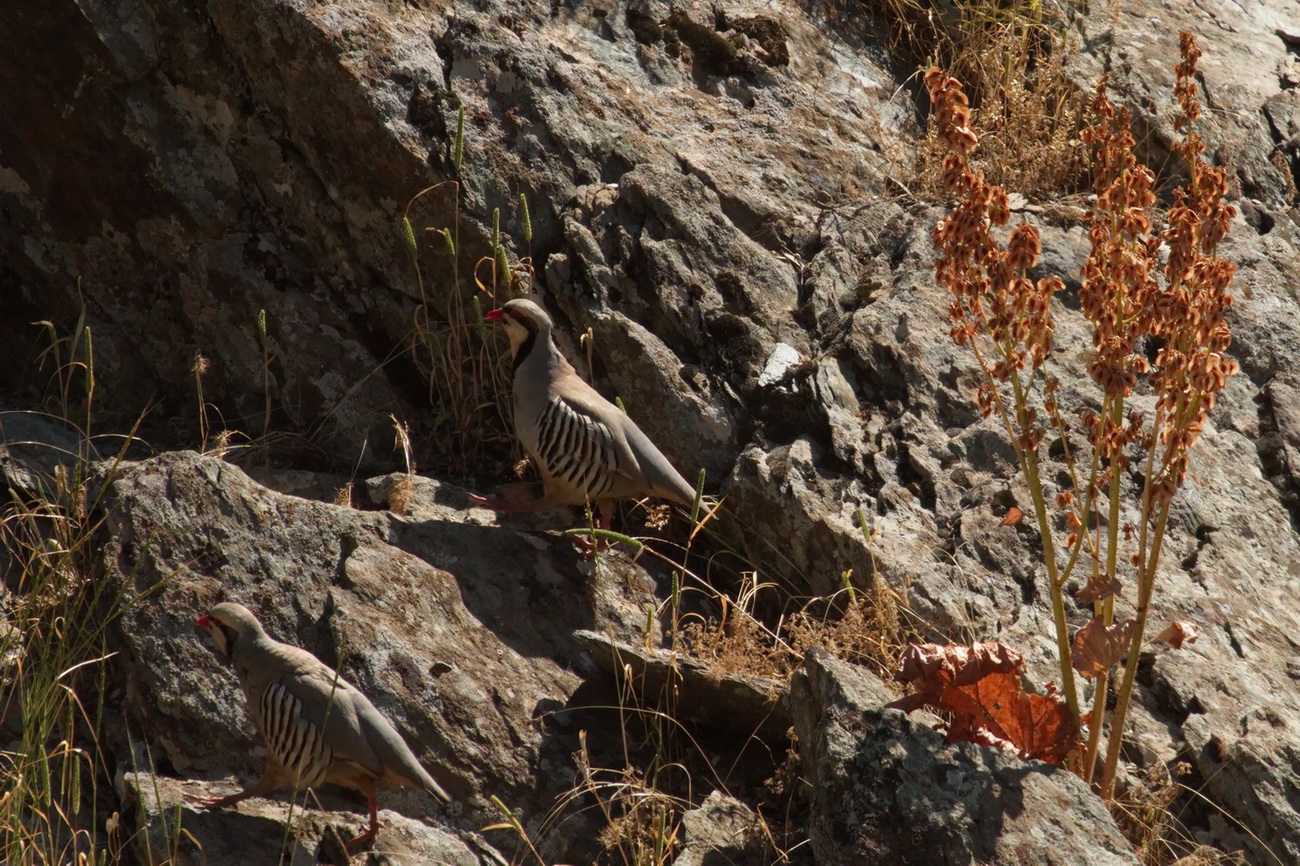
(1112, 526)
(1094, 726)
(1029, 463)
(1146, 586)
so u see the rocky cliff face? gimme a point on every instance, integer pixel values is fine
(718, 197)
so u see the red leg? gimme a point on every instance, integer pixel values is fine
(367, 787)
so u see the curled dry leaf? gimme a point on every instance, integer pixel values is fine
(1179, 632)
(1098, 647)
(1098, 589)
(1013, 516)
(928, 668)
(980, 687)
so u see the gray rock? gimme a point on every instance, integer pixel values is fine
(742, 704)
(722, 830)
(888, 789)
(171, 829)
(431, 615)
(34, 446)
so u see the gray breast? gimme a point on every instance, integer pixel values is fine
(576, 450)
(293, 741)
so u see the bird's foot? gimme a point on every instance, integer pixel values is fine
(589, 546)
(494, 504)
(509, 506)
(595, 538)
(205, 802)
(363, 840)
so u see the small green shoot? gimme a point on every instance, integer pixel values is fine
(458, 149)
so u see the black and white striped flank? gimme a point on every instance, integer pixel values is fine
(293, 741)
(576, 449)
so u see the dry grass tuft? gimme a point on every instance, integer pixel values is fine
(399, 496)
(1144, 811)
(737, 644)
(643, 824)
(869, 630)
(55, 613)
(1025, 109)
(343, 496)
(467, 371)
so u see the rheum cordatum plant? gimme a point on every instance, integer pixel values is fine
(1151, 411)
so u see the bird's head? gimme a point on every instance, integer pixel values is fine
(231, 625)
(524, 322)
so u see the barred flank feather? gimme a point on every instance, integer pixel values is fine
(291, 740)
(576, 450)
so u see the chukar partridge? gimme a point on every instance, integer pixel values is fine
(318, 728)
(585, 448)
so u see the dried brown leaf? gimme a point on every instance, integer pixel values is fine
(1179, 632)
(980, 686)
(1013, 516)
(1098, 590)
(929, 667)
(1097, 647)
(1036, 726)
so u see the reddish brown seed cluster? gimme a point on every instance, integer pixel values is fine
(1192, 366)
(1122, 294)
(951, 113)
(1118, 279)
(1185, 88)
(991, 294)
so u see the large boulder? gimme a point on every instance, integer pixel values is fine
(460, 633)
(889, 789)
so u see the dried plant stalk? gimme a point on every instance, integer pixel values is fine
(1132, 302)
(1192, 365)
(1002, 315)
